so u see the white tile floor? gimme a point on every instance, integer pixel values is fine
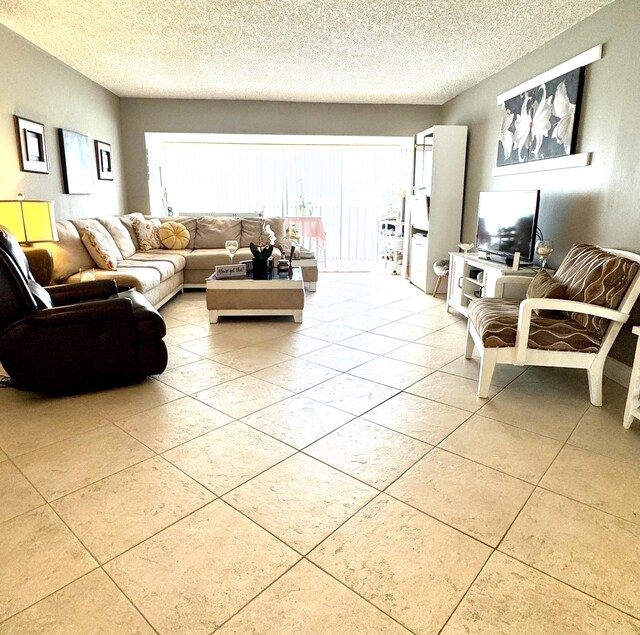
(336, 476)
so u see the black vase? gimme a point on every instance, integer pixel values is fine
(262, 268)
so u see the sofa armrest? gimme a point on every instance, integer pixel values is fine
(40, 264)
(82, 291)
(69, 316)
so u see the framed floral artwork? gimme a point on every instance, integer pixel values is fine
(539, 119)
(541, 123)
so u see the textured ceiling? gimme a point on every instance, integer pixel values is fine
(362, 51)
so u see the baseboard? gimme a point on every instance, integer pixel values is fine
(617, 371)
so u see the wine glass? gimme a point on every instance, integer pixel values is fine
(544, 248)
(231, 246)
(466, 247)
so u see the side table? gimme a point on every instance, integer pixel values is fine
(632, 409)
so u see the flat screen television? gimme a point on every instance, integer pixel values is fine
(507, 222)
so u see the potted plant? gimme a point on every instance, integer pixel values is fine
(262, 261)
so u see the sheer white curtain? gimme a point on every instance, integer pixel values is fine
(350, 187)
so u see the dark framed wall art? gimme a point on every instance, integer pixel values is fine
(539, 119)
(32, 145)
(77, 158)
(103, 161)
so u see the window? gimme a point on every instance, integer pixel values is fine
(348, 184)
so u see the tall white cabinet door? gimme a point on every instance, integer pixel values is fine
(442, 151)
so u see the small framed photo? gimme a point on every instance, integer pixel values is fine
(103, 160)
(32, 146)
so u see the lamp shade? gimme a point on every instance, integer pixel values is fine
(29, 221)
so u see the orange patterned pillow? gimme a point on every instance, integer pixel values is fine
(148, 233)
(100, 249)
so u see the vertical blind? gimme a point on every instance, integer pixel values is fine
(350, 187)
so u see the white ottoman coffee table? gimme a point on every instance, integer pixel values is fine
(279, 296)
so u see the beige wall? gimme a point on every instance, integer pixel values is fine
(254, 117)
(595, 204)
(39, 87)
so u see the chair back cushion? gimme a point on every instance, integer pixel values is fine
(595, 276)
(21, 295)
(544, 285)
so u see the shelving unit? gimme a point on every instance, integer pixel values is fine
(472, 277)
(390, 242)
(434, 213)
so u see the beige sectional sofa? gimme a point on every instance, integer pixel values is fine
(160, 273)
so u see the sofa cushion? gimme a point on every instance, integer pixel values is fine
(544, 285)
(496, 321)
(595, 276)
(174, 235)
(175, 257)
(252, 227)
(164, 268)
(189, 222)
(68, 252)
(208, 259)
(213, 231)
(103, 250)
(127, 221)
(95, 225)
(120, 235)
(142, 279)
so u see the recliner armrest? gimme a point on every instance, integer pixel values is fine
(70, 315)
(82, 291)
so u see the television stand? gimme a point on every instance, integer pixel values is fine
(474, 276)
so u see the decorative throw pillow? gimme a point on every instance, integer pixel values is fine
(544, 285)
(174, 235)
(99, 248)
(147, 233)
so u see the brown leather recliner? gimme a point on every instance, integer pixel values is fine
(73, 337)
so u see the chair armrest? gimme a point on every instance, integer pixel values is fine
(503, 281)
(82, 291)
(552, 304)
(113, 309)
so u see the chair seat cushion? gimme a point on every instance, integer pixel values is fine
(496, 321)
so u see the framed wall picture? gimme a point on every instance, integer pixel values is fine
(77, 159)
(32, 146)
(103, 161)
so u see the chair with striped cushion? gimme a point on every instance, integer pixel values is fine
(598, 290)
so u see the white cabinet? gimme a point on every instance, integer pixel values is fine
(436, 206)
(472, 277)
(419, 260)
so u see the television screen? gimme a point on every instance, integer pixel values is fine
(507, 223)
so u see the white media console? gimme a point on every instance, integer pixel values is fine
(473, 276)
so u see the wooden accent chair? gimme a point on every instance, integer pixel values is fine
(599, 288)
